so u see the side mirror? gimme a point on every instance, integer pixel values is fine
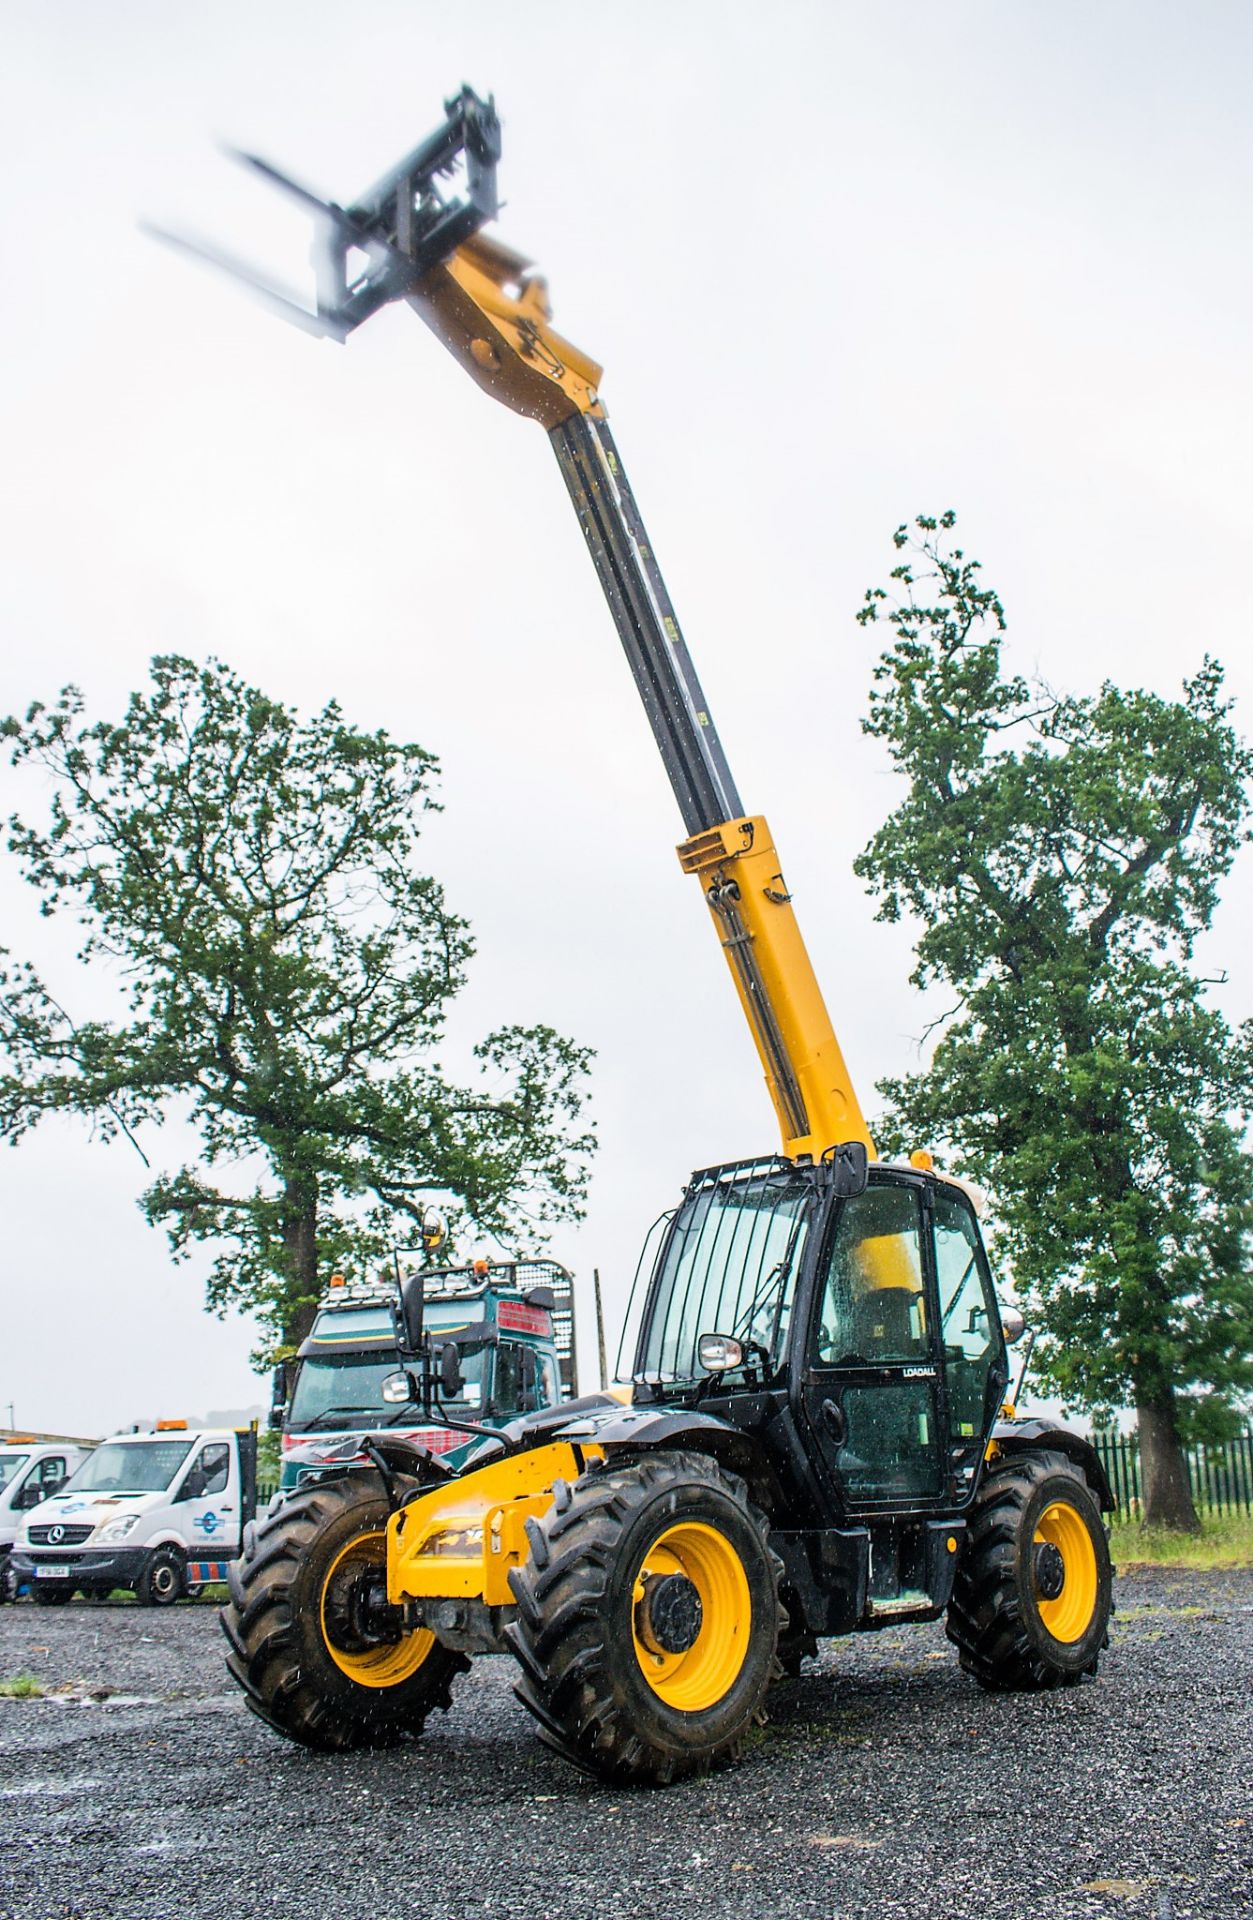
(397, 1388)
(718, 1352)
(275, 1417)
(1013, 1324)
(850, 1169)
(451, 1380)
(413, 1312)
(541, 1297)
(32, 1495)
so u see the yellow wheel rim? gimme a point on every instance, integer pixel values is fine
(701, 1675)
(381, 1666)
(1069, 1614)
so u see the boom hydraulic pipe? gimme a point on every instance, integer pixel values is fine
(491, 310)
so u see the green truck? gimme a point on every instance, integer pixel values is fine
(502, 1332)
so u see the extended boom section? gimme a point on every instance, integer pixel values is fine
(733, 857)
(412, 237)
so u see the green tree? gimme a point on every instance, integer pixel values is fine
(246, 882)
(1063, 854)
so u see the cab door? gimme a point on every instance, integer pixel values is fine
(976, 1365)
(872, 1381)
(207, 1502)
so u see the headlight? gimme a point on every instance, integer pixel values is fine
(462, 1543)
(118, 1529)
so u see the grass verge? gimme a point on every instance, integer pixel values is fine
(1225, 1540)
(23, 1686)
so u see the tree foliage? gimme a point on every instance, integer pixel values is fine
(1063, 854)
(249, 882)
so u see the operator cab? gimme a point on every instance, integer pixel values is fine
(869, 1316)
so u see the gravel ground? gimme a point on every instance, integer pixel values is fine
(886, 1784)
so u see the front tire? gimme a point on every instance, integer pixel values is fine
(312, 1664)
(163, 1580)
(1033, 1594)
(648, 1618)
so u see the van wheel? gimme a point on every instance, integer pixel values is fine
(163, 1580)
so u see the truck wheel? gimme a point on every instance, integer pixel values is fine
(1033, 1593)
(163, 1580)
(314, 1664)
(648, 1617)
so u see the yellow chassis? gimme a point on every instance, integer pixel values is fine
(460, 1541)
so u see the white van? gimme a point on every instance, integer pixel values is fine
(30, 1472)
(159, 1512)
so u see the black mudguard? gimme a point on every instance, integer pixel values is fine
(1029, 1436)
(648, 1429)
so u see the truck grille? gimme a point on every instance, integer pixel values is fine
(65, 1536)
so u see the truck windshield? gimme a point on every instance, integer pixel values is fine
(131, 1466)
(345, 1389)
(11, 1463)
(728, 1265)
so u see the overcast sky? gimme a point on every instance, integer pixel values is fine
(843, 263)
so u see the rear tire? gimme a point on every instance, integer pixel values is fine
(648, 1617)
(1033, 1594)
(163, 1580)
(308, 1668)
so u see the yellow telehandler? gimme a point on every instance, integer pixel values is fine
(816, 1441)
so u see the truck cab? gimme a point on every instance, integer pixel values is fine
(31, 1471)
(511, 1324)
(160, 1512)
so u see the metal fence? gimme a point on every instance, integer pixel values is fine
(1221, 1477)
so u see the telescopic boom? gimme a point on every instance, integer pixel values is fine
(411, 237)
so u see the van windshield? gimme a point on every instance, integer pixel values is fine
(131, 1466)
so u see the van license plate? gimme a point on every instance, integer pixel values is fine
(52, 1573)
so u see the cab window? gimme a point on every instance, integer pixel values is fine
(11, 1465)
(516, 1379)
(208, 1472)
(969, 1321)
(549, 1381)
(873, 1309)
(507, 1384)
